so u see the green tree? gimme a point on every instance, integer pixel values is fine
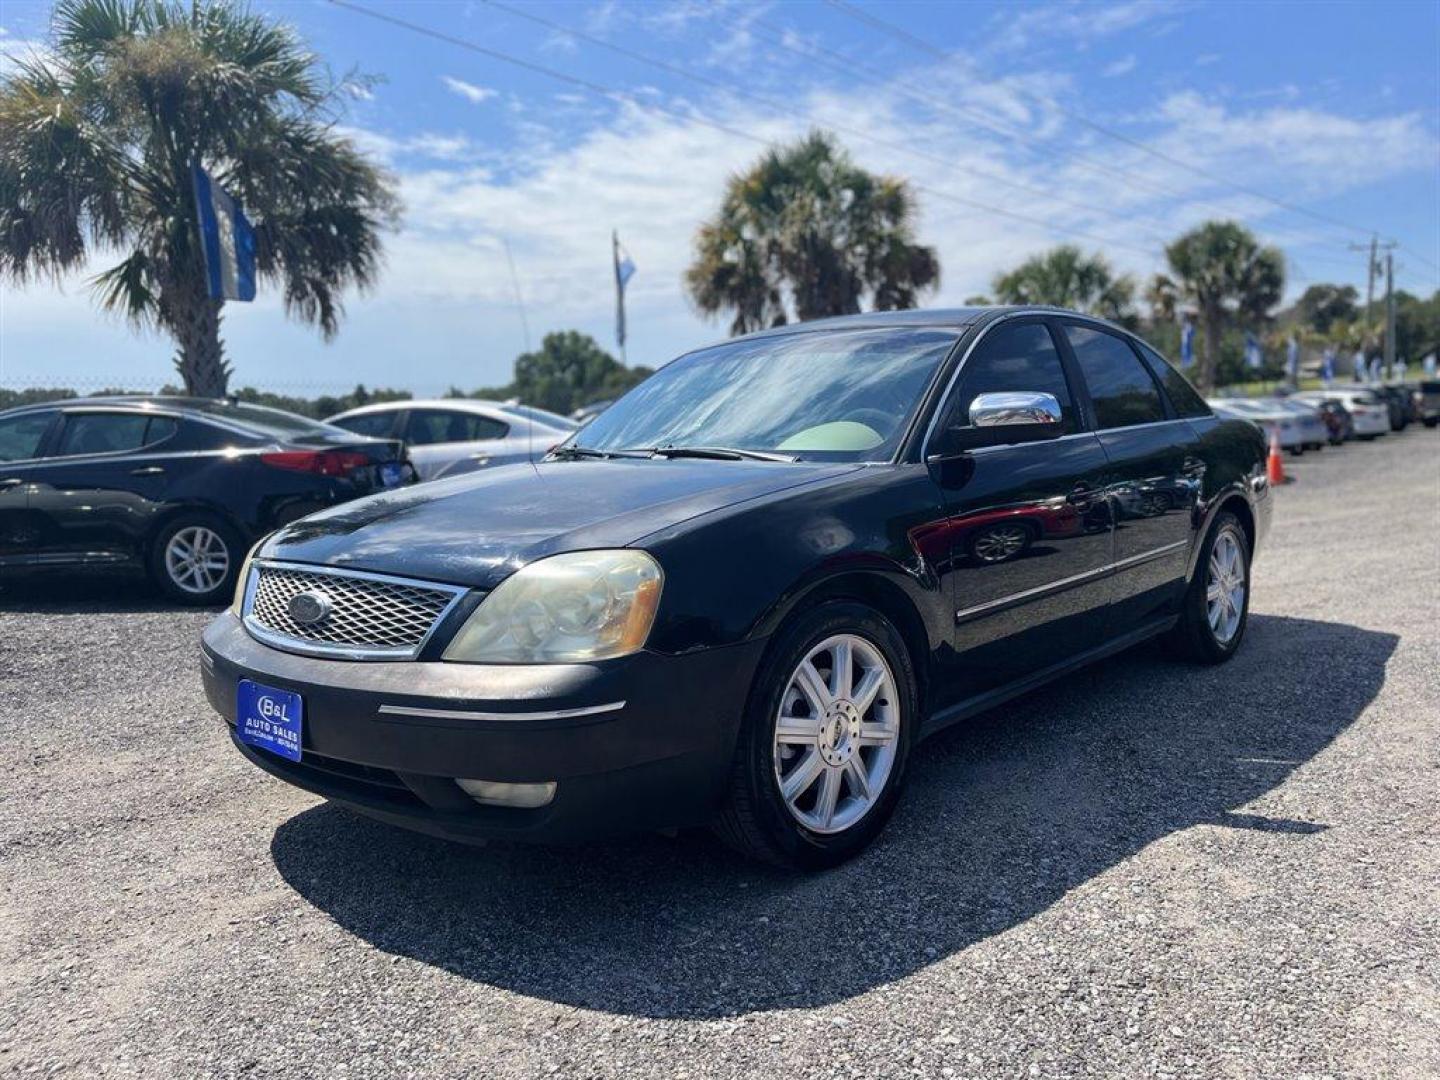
(1066, 277)
(1222, 270)
(805, 230)
(569, 369)
(1321, 305)
(96, 144)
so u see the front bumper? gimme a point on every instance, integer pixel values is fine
(659, 761)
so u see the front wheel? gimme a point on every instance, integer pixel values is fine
(195, 559)
(1217, 604)
(824, 742)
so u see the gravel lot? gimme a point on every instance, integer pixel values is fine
(1147, 869)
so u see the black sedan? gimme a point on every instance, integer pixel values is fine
(179, 486)
(746, 591)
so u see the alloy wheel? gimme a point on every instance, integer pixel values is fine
(1225, 586)
(197, 559)
(836, 733)
(1001, 543)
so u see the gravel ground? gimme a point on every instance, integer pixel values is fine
(1147, 869)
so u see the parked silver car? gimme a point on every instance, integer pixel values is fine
(449, 436)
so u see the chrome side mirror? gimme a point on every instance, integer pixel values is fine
(1013, 407)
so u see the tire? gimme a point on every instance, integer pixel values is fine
(210, 582)
(1195, 636)
(756, 818)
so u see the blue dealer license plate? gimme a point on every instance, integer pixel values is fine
(392, 474)
(270, 719)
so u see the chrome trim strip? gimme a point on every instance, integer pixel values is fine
(473, 714)
(1033, 594)
(301, 646)
(1149, 556)
(1041, 591)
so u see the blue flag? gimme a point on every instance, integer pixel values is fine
(1327, 371)
(1292, 358)
(227, 239)
(1187, 344)
(1252, 351)
(624, 271)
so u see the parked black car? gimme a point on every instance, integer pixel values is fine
(180, 486)
(749, 588)
(1397, 402)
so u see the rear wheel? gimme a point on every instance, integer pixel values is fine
(195, 558)
(824, 743)
(1217, 604)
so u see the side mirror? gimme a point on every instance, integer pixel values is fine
(1002, 419)
(1016, 409)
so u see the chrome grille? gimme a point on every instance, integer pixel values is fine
(367, 616)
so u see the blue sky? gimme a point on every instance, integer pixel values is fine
(1035, 110)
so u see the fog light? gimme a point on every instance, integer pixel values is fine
(521, 796)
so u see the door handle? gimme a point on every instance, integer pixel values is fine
(481, 458)
(10, 482)
(148, 470)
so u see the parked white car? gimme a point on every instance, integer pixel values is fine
(1269, 418)
(448, 436)
(1371, 415)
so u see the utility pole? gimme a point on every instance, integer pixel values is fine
(1372, 265)
(1389, 315)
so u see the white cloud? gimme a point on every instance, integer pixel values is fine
(1123, 66)
(476, 95)
(559, 187)
(1206, 59)
(1079, 25)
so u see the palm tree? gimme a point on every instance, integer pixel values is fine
(1220, 268)
(806, 231)
(97, 138)
(1066, 277)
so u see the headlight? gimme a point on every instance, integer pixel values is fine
(239, 600)
(573, 608)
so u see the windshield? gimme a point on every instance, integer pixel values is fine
(838, 396)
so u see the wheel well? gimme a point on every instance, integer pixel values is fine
(888, 599)
(1237, 505)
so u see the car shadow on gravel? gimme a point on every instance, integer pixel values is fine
(81, 593)
(1003, 817)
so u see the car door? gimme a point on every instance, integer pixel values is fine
(1027, 535)
(443, 442)
(1155, 474)
(21, 439)
(103, 479)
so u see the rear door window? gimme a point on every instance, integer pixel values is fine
(1182, 395)
(1121, 388)
(20, 435)
(427, 427)
(101, 433)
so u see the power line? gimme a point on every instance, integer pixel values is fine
(786, 110)
(691, 117)
(916, 42)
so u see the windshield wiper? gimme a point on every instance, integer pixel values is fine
(571, 453)
(716, 453)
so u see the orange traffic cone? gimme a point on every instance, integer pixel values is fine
(1275, 465)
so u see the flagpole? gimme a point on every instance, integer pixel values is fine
(619, 294)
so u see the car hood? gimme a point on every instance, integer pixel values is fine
(477, 529)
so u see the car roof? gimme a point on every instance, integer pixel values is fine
(950, 318)
(482, 406)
